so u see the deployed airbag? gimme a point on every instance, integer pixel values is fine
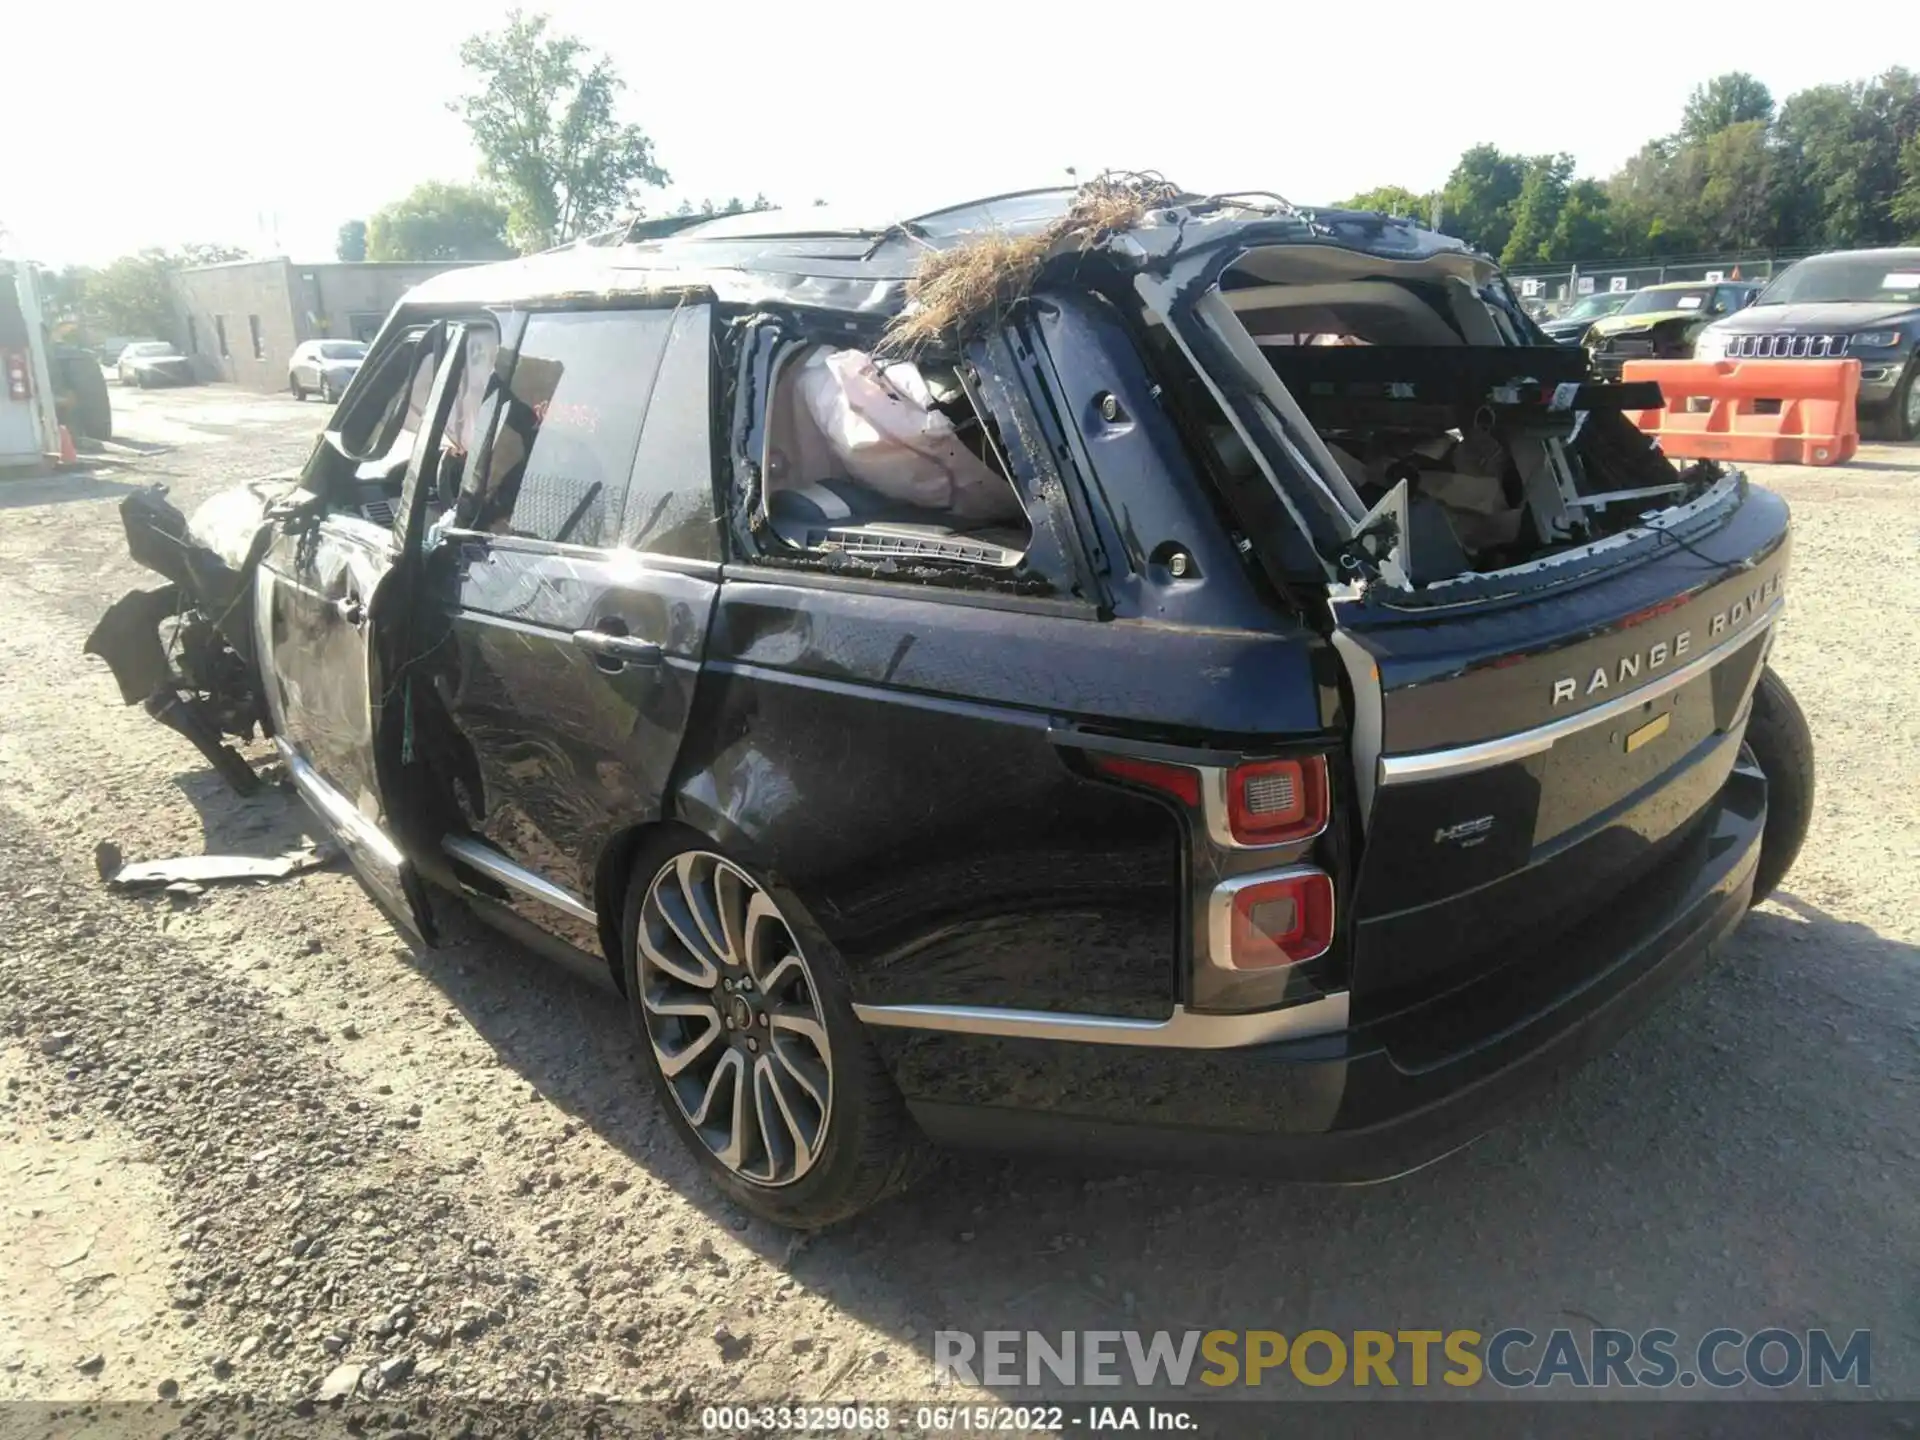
(886, 431)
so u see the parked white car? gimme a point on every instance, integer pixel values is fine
(324, 367)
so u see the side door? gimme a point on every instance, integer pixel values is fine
(573, 584)
(323, 592)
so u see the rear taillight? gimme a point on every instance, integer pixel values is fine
(1267, 922)
(1270, 802)
(19, 377)
(1179, 781)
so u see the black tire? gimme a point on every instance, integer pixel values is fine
(299, 390)
(870, 1148)
(89, 409)
(1899, 423)
(1782, 746)
(328, 393)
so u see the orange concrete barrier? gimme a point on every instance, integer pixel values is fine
(1783, 412)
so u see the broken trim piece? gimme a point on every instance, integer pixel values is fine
(495, 866)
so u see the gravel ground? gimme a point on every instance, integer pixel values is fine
(252, 1144)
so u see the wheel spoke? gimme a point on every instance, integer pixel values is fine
(784, 973)
(661, 1001)
(735, 1153)
(761, 914)
(698, 966)
(700, 899)
(730, 904)
(801, 1023)
(673, 1062)
(815, 1085)
(800, 1137)
(728, 1069)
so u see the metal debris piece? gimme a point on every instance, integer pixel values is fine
(209, 869)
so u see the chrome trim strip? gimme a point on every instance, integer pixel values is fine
(1220, 914)
(491, 862)
(334, 808)
(1438, 764)
(1183, 1030)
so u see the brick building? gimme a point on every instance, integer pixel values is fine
(241, 321)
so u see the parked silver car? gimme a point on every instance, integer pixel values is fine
(154, 362)
(324, 367)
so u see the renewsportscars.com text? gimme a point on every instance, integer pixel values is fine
(1513, 1358)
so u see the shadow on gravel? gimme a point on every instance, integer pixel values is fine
(1683, 1180)
(58, 489)
(269, 822)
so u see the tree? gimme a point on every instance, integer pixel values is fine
(440, 221)
(1736, 203)
(542, 116)
(1391, 200)
(1905, 206)
(201, 253)
(132, 296)
(1735, 98)
(1840, 149)
(351, 242)
(1479, 195)
(1535, 213)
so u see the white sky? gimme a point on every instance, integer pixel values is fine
(266, 125)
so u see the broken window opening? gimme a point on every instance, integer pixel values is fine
(881, 460)
(1405, 396)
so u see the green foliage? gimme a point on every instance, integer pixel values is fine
(1905, 208)
(1735, 98)
(351, 242)
(1392, 200)
(542, 116)
(133, 296)
(1834, 166)
(439, 221)
(1479, 197)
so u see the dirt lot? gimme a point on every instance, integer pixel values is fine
(249, 1139)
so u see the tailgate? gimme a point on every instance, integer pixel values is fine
(1535, 757)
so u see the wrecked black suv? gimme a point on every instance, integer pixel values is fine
(1110, 670)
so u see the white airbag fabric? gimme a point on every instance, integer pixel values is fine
(883, 429)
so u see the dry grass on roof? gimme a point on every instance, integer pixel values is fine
(959, 289)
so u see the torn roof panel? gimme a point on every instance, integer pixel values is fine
(820, 259)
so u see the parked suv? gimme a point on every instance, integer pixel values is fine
(1249, 699)
(1859, 303)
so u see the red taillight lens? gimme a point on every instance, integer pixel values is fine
(1272, 801)
(19, 385)
(1178, 781)
(1283, 921)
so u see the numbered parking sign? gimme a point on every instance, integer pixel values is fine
(1529, 288)
(1714, 277)
(1617, 285)
(1585, 287)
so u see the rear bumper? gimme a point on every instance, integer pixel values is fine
(1368, 1102)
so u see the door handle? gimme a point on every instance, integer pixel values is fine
(621, 649)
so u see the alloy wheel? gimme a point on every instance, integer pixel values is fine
(1913, 407)
(734, 1018)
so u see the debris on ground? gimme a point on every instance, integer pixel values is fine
(202, 870)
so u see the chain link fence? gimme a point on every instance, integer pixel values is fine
(1546, 290)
